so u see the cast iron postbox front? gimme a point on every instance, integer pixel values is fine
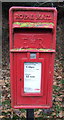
(32, 51)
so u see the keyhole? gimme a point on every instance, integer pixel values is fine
(20, 79)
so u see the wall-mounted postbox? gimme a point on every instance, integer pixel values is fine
(32, 51)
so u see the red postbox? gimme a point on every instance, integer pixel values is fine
(32, 51)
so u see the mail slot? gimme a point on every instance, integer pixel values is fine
(32, 51)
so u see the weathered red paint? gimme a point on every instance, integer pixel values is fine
(32, 30)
